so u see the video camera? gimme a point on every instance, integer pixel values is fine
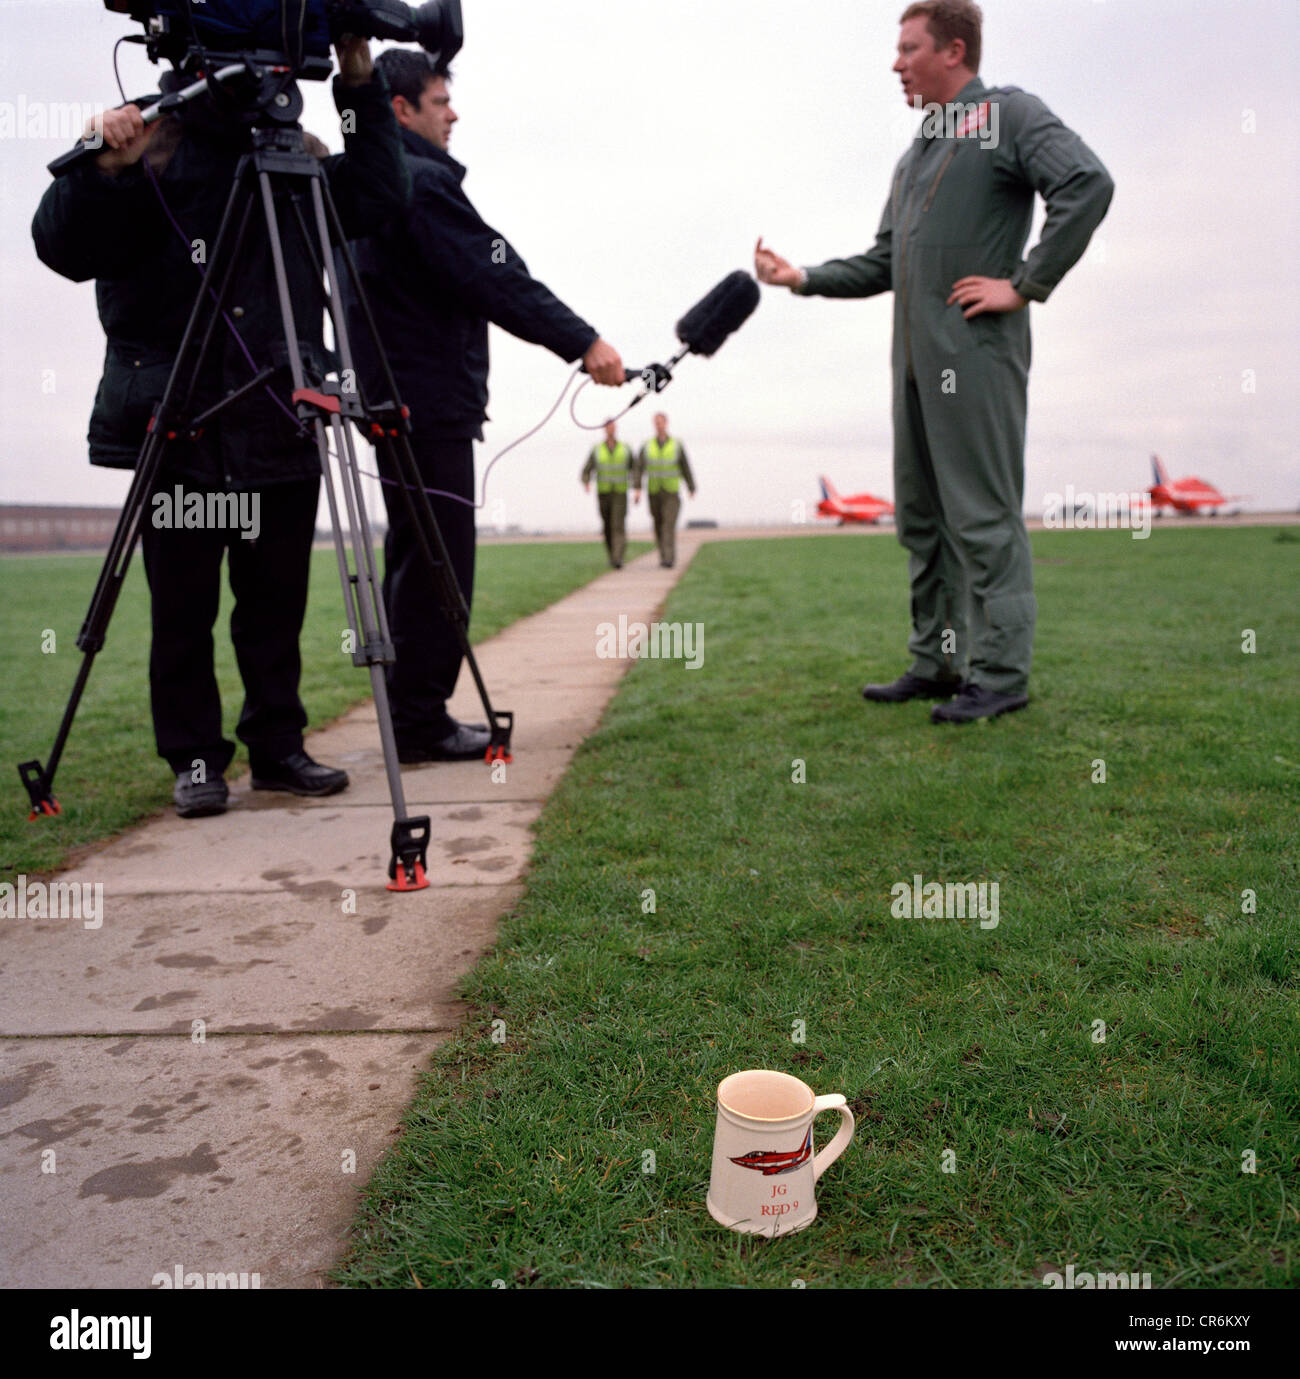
(301, 30)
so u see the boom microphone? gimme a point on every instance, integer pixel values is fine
(703, 330)
(705, 327)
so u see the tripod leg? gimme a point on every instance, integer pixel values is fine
(362, 597)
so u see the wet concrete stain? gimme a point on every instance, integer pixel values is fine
(149, 1179)
(467, 816)
(313, 1062)
(14, 1089)
(462, 845)
(273, 935)
(375, 924)
(310, 890)
(201, 960)
(73, 1122)
(168, 998)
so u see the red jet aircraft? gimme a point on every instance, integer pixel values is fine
(1185, 495)
(862, 507)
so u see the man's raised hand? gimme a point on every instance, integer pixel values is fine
(771, 268)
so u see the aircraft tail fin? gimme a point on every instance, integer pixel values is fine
(1159, 470)
(828, 491)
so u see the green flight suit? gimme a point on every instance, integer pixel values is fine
(962, 205)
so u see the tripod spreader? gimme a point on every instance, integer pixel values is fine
(503, 725)
(39, 790)
(410, 839)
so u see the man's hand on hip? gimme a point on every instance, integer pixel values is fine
(978, 295)
(603, 363)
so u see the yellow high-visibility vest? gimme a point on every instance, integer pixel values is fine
(661, 468)
(612, 467)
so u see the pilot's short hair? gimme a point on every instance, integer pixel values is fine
(947, 20)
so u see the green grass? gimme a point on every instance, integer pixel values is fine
(110, 776)
(524, 1160)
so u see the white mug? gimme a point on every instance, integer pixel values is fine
(763, 1162)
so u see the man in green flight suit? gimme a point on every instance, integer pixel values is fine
(611, 464)
(949, 246)
(663, 465)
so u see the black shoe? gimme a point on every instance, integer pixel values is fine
(974, 702)
(470, 742)
(910, 686)
(195, 800)
(299, 775)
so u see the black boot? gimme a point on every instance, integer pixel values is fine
(976, 702)
(910, 686)
(199, 799)
(299, 775)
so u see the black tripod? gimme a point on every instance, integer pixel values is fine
(279, 160)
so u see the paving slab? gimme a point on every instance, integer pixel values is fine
(315, 849)
(124, 1158)
(250, 963)
(135, 1141)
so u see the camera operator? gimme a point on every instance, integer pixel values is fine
(141, 220)
(435, 278)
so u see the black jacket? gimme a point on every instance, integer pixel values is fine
(435, 278)
(115, 230)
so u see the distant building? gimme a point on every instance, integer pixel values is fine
(55, 528)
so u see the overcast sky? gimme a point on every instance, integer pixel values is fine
(633, 153)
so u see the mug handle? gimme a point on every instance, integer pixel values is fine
(833, 1102)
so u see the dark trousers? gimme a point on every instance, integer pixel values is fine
(428, 651)
(268, 578)
(613, 516)
(665, 508)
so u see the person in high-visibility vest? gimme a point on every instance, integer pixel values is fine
(610, 463)
(663, 465)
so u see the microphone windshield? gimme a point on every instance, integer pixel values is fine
(706, 326)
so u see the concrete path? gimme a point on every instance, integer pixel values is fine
(205, 1082)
